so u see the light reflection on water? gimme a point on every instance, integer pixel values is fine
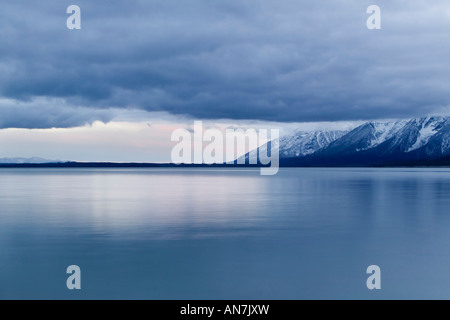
(224, 234)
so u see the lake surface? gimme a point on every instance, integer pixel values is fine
(224, 234)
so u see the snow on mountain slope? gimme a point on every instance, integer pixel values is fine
(298, 144)
(401, 136)
(445, 142)
(427, 128)
(365, 137)
(384, 131)
(420, 136)
(302, 143)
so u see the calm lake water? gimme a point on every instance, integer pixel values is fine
(224, 234)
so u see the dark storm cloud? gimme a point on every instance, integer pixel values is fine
(284, 60)
(42, 113)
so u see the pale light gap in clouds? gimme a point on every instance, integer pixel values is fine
(132, 136)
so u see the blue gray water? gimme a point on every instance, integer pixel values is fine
(224, 234)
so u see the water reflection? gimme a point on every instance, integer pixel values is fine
(305, 233)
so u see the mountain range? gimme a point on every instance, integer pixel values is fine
(413, 142)
(33, 160)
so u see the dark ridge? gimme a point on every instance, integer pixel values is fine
(120, 165)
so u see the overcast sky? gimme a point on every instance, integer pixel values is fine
(268, 60)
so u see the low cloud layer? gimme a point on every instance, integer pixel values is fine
(42, 113)
(284, 60)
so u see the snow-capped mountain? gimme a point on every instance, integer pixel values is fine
(302, 143)
(401, 142)
(382, 131)
(398, 142)
(298, 144)
(426, 136)
(365, 137)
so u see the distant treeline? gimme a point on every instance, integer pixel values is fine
(120, 165)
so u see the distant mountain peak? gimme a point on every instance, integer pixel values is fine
(383, 131)
(32, 160)
(302, 143)
(299, 143)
